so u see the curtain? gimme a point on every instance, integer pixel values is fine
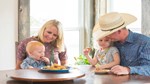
(88, 22)
(145, 17)
(23, 19)
(100, 8)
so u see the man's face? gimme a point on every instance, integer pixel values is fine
(114, 36)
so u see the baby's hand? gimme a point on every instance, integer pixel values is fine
(86, 51)
(45, 59)
(30, 67)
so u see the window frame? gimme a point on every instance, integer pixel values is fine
(86, 22)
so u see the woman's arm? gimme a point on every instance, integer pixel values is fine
(63, 62)
(18, 62)
(21, 52)
(63, 57)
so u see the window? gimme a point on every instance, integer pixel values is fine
(67, 12)
(127, 6)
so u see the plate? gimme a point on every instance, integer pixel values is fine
(55, 71)
(104, 71)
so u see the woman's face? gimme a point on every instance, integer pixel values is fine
(50, 34)
(104, 42)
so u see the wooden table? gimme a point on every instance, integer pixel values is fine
(89, 78)
(36, 75)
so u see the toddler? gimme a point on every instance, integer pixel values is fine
(106, 56)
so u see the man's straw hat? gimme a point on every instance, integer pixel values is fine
(110, 23)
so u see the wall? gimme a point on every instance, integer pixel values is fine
(146, 17)
(8, 33)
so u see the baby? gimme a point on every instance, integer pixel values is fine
(36, 59)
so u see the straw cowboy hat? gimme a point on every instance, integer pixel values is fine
(110, 23)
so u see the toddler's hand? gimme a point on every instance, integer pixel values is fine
(98, 67)
(86, 51)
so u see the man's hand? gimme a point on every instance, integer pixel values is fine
(120, 70)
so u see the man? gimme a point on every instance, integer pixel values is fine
(134, 48)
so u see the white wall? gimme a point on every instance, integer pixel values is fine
(8, 33)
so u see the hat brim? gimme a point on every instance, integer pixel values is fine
(98, 33)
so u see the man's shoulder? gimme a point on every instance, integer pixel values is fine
(141, 38)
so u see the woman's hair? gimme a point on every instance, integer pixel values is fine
(32, 45)
(59, 42)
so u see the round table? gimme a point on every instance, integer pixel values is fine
(37, 76)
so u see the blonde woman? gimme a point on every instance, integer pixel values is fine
(51, 35)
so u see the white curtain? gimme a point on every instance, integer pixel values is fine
(88, 22)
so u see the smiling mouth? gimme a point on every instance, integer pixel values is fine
(48, 39)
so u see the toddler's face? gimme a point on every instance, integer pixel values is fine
(38, 52)
(104, 42)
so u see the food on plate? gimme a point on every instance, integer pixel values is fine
(88, 49)
(55, 67)
(102, 70)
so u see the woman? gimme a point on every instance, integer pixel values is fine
(51, 35)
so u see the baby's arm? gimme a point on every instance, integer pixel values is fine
(25, 64)
(116, 61)
(92, 61)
